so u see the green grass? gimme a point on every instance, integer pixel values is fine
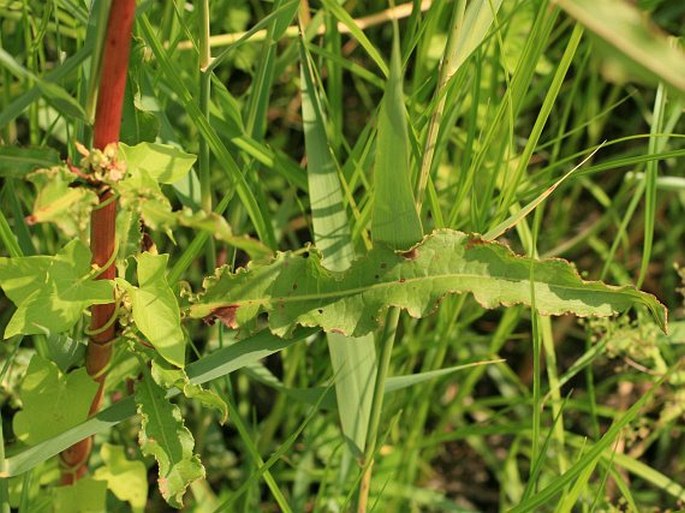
(501, 100)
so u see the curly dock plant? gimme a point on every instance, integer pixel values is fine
(366, 268)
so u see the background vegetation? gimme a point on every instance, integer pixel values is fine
(502, 98)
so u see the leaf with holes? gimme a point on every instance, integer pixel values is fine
(164, 436)
(296, 289)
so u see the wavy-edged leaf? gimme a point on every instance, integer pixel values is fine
(155, 308)
(296, 289)
(164, 436)
(57, 202)
(141, 194)
(52, 402)
(127, 479)
(51, 291)
(170, 377)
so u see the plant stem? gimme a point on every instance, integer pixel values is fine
(387, 343)
(103, 217)
(447, 69)
(204, 155)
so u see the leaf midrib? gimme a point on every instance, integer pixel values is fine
(387, 284)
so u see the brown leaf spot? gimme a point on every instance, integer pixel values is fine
(474, 240)
(411, 254)
(226, 314)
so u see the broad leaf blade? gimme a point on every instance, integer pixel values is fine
(164, 436)
(52, 402)
(87, 495)
(296, 289)
(127, 479)
(51, 291)
(155, 308)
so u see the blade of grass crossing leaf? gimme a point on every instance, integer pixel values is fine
(213, 366)
(395, 219)
(395, 222)
(353, 359)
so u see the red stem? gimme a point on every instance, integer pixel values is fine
(102, 222)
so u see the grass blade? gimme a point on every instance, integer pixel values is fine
(353, 359)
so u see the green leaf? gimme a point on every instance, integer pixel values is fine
(353, 359)
(169, 377)
(52, 402)
(395, 220)
(645, 49)
(51, 291)
(127, 479)
(56, 202)
(344, 17)
(162, 162)
(164, 436)
(331, 226)
(212, 366)
(478, 19)
(155, 308)
(61, 100)
(296, 289)
(87, 495)
(218, 227)
(140, 193)
(18, 162)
